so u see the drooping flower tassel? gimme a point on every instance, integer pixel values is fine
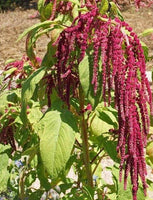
(120, 58)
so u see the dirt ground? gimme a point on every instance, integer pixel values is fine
(13, 23)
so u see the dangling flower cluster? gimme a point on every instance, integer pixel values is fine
(123, 70)
(7, 135)
(62, 7)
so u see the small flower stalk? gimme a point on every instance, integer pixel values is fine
(123, 70)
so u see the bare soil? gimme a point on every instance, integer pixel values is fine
(13, 23)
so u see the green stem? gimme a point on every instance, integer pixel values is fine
(21, 185)
(85, 145)
(96, 156)
(99, 161)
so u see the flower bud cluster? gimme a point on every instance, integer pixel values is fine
(14, 79)
(120, 57)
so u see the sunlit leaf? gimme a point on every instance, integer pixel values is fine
(85, 75)
(57, 135)
(4, 173)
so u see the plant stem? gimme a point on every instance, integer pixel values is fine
(96, 155)
(21, 185)
(99, 161)
(85, 145)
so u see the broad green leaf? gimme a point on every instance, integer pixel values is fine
(108, 117)
(57, 136)
(85, 75)
(103, 119)
(4, 173)
(42, 175)
(98, 126)
(28, 89)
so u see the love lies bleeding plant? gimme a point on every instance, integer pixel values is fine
(87, 99)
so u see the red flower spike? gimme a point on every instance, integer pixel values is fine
(120, 67)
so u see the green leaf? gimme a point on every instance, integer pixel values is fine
(28, 89)
(149, 150)
(89, 192)
(57, 136)
(38, 26)
(8, 97)
(49, 58)
(34, 115)
(85, 75)
(103, 119)
(10, 71)
(75, 2)
(120, 14)
(48, 10)
(145, 50)
(125, 194)
(40, 5)
(104, 6)
(31, 152)
(110, 151)
(30, 41)
(9, 61)
(4, 173)
(98, 126)
(4, 102)
(146, 32)
(75, 11)
(113, 10)
(29, 85)
(108, 117)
